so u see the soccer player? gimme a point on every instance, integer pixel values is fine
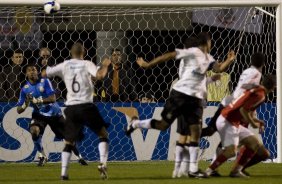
(250, 76)
(232, 132)
(187, 94)
(182, 157)
(40, 94)
(77, 75)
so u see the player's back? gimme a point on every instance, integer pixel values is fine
(249, 76)
(192, 72)
(78, 81)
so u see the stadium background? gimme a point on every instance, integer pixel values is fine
(148, 41)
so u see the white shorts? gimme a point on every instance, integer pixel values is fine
(229, 134)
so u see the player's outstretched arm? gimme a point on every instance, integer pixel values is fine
(103, 70)
(161, 59)
(222, 66)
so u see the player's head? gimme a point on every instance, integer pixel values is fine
(258, 60)
(17, 57)
(191, 42)
(204, 41)
(146, 97)
(77, 50)
(116, 56)
(269, 82)
(44, 52)
(31, 72)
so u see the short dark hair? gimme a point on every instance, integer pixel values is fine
(258, 59)
(191, 42)
(29, 65)
(269, 81)
(147, 95)
(18, 51)
(115, 50)
(203, 38)
(77, 49)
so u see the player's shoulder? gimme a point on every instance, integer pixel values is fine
(259, 90)
(43, 80)
(25, 86)
(252, 71)
(188, 50)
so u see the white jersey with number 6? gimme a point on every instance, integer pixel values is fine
(77, 77)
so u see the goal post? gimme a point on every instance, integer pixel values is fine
(151, 28)
(279, 81)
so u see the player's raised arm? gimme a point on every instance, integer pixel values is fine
(222, 66)
(161, 59)
(103, 70)
(23, 102)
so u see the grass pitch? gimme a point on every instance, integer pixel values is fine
(157, 172)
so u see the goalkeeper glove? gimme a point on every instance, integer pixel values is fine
(38, 100)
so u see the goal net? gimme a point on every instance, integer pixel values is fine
(137, 32)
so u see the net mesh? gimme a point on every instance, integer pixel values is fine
(137, 32)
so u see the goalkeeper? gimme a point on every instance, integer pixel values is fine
(40, 94)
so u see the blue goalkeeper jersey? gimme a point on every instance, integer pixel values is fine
(42, 88)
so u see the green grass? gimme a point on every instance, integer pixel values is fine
(158, 172)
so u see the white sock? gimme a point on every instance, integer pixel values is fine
(146, 123)
(178, 156)
(194, 152)
(184, 167)
(65, 163)
(104, 152)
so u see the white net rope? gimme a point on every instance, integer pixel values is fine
(137, 32)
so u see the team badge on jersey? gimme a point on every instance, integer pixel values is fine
(41, 89)
(26, 86)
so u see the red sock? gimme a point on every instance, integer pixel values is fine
(241, 153)
(257, 158)
(218, 161)
(245, 157)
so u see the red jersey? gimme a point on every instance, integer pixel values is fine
(249, 100)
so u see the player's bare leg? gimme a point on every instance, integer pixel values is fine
(146, 124)
(80, 159)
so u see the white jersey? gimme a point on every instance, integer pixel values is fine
(77, 77)
(192, 72)
(249, 76)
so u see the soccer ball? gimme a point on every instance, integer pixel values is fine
(51, 6)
